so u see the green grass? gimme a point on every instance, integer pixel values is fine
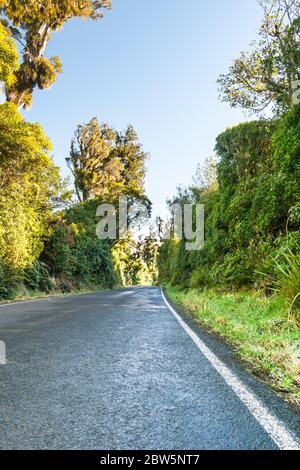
(259, 329)
(25, 294)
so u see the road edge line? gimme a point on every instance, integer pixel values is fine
(278, 432)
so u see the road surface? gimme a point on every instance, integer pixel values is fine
(116, 370)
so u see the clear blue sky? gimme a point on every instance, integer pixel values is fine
(154, 64)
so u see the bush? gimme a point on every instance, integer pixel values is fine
(37, 278)
(282, 274)
(251, 215)
(74, 253)
(201, 278)
(236, 270)
(58, 249)
(287, 281)
(8, 280)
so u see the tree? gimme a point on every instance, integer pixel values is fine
(268, 73)
(106, 164)
(206, 178)
(132, 157)
(90, 160)
(135, 261)
(32, 23)
(148, 251)
(30, 187)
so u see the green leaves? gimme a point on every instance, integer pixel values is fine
(8, 280)
(285, 277)
(29, 187)
(251, 215)
(9, 58)
(107, 164)
(74, 253)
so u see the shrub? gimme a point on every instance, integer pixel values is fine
(201, 277)
(37, 277)
(8, 280)
(287, 280)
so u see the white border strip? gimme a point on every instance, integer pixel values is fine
(276, 429)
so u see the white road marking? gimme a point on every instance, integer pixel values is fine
(283, 438)
(2, 353)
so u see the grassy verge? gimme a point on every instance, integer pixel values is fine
(258, 329)
(24, 294)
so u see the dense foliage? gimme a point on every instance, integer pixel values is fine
(106, 163)
(252, 213)
(251, 192)
(74, 254)
(47, 240)
(29, 183)
(251, 189)
(9, 59)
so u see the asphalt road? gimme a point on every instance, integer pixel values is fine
(116, 370)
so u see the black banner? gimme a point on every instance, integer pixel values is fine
(136, 459)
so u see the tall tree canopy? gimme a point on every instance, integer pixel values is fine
(268, 73)
(106, 164)
(32, 23)
(30, 187)
(9, 58)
